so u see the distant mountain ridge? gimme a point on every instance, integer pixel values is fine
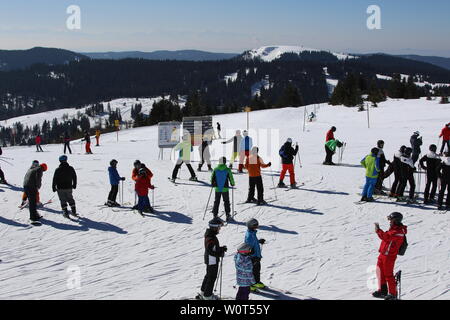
(437, 61)
(186, 55)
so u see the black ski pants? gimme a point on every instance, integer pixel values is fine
(329, 156)
(210, 279)
(445, 143)
(2, 176)
(402, 186)
(178, 166)
(113, 193)
(256, 269)
(432, 181)
(32, 196)
(39, 148)
(256, 182)
(379, 184)
(226, 203)
(67, 146)
(445, 185)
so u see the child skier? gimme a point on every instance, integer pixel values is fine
(38, 141)
(64, 182)
(244, 271)
(444, 174)
(372, 165)
(391, 242)
(287, 154)
(114, 180)
(395, 167)
(252, 240)
(236, 145)
(87, 138)
(253, 164)
(143, 183)
(407, 170)
(330, 149)
(34, 164)
(213, 253)
(31, 184)
(221, 179)
(432, 161)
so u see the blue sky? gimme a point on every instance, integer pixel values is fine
(408, 26)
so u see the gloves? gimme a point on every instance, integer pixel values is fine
(262, 241)
(269, 164)
(74, 186)
(223, 142)
(123, 178)
(152, 187)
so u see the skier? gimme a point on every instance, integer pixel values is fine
(34, 164)
(244, 150)
(38, 141)
(432, 161)
(185, 148)
(221, 179)
(330, 134)
(395, 167)
(416, 142)
(114, 180)
(205, 155)
(391, 241)
(219, 129)
(135, 174)
(252, 240)
(253, 164)
(372, 165)
(64, 182)
(87, 138)
(143, 183)
(445, 135)
(213, 253)
(330, 149)
(407, 170)
(236, 145)
(382, 163)
(311, 117)
(287, 154)
(244, 271)
(67, 142)
(97, 137)
(444, 174)
(31, 184)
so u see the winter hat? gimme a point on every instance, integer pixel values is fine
(333, 129)
(244, 248)
(44, 167)
(408, 152)
(245, 133)
(35, 163)
(433, 148)
(417, 133)
(137, 163)
(63, 158)
(375, 151)
(396, 217)
(223, 160)
(252, 224)
(402, 149)
(113, 162)
(216, 223)
(380, 143)
(289, 140)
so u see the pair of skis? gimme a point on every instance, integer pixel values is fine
(21, 207)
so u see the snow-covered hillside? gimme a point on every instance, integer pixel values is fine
(270, 53)
(319, 243)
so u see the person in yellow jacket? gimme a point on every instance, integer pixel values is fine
(372, 165)
(97, 137)
(184, 156)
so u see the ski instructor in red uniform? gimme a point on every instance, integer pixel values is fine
(391, 242)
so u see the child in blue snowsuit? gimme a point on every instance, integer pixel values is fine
(244, 271)
(372, 165)
(114, 180)
(254, 243)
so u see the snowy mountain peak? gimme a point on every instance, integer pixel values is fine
(271, 53)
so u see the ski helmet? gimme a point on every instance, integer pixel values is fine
(375, 151)
(333, 129)
(245, 133)
(416, 133)
(44, 167)
(252, 224)
(216, 223)
(433, 148)
(402, 149)
(137, 163)
(408, 152)
(289, 140)
(380, 143)
(397, 217)
(244, 248)
(113, 162)
(35, 163)
(63, 158)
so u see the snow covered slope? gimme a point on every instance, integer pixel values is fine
(319, 243)
(271, 53)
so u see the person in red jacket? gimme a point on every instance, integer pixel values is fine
(445, 135)
(391, 241)
(143, 183)
(38, 141)
(330, 134)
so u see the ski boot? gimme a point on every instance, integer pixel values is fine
(65, 214)
(390, 297)
(199, 169)
(210, 169)
(211, 297)
(401, 199)
(382, 293)
(229, 218)
(251, 201)
(363, 199)
(281, 185)
(261, 203)
(257, 286)
(193, 179)
(294, 186)
(371, 199)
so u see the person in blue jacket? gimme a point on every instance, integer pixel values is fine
(244, 150)
(252, 240)
(114, 180)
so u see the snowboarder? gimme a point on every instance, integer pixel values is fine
(87, 138)
(416, 142)
(38, 141)
(221, 179)
(143, 183)
(444, 174)
(432, 161)
(64, 182)
(244, 271)
(67, 142)
(253, 164)
(236, 146)
(244, 150)
(383, 162)
(372, 165)
(407, 170)
(391, 241)
(219, 129)
(114, 180)
(31, 184)
(213, 253)
(252, 240)
(97, 137)
(205, 155)
(330, 134)
(330, 149)
(287, 154)
(394, 167)
(445, 135)
(185, 148)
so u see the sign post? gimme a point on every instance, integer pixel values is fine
(248, 110)
(117, 124)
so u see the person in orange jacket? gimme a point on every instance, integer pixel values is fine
(445, 135)
(143, 183)
(97, 137)
(253, 164)
(391, 241)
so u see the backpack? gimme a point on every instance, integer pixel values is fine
(403, 247)
(281, 152)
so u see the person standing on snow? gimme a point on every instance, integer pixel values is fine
(244, 150)
(64, 182)
(97, 137)
(432, 161)
(205, 155)
(372, 165)
(252, 240)
(416, 142)
(330, 149)
(330, 134)
(244, 271)
(445, 135)
(391, 241)
(114, 180)
(213, 253)
(38, 141)
(383, 162)
(143, 183)
(407, 170)
(444, 174)
(34, 164)
(287, 154)
(87, 138)
(219, 129)
(221, 179)
(67, 142)
(253, 164)
(31, 185)
(185, 148)
(237, 139)
(395, 167)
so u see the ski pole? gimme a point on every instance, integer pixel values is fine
(153, 197)
(207, 204)
(273, 183)
(122, 193)
(232, 200)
